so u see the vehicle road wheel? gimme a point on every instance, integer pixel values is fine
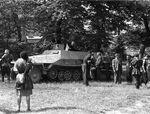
(35, 75)
(67, 75)
(61, 75)
(77, 75)
(52, 74)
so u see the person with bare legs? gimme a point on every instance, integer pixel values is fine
(24, 83)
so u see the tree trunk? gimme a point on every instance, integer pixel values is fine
(58, 31)
(142, 51)
(142, 46)
(16, 21)
(19, 33)
(99, 46)
(145, 20)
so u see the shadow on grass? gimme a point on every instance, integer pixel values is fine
(55, 108)
(6, 111)
(64, 108)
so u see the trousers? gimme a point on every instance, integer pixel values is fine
(117, 77)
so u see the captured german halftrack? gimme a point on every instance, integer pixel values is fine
(57, 64)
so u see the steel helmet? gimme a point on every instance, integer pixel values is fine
(6, 51)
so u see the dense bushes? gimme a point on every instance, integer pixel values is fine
(18, 47)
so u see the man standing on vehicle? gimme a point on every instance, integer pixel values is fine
(6, 65)
(86, 68)
(117, 69)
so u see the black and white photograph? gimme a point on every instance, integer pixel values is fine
(74, 56)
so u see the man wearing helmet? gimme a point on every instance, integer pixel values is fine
(86, 68)
(5, 64)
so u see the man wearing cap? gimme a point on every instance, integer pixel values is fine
(86, 68)
(5, 64)
(117, 69)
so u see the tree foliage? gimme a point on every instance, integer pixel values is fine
(91, 24)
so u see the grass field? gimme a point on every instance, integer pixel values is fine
(75, 98)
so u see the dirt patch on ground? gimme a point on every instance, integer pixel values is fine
(75, 98)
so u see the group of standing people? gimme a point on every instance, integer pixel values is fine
(136, 68)
(91, 66)
(22, 67)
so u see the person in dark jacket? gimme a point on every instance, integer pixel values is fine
(92, 67)
(24, 83)
(6, 65)
(144, 77)
(137, 70)
(128, 69)
(98, 64)
(86, 68)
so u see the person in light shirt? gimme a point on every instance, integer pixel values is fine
(117, 69)
(145, 65)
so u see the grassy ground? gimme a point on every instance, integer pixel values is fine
(75, 98)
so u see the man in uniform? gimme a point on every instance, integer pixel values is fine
(86, 68)
(107, 66)
(71, 46)
(137, 70)
(117, 69)
(5, 65)
(98, 64)
(144, 77)
(92, 67)
(129, 69)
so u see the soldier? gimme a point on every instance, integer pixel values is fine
(72, 46)
(144, 77)
(136, 71)
(129, 69)
(99, 59)
(117, 69)
(107, 66)
(92, 67)
(98, 63)
(6, 65)
(86, 68)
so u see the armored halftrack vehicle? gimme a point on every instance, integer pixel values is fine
(57, 64)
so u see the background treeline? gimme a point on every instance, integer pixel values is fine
(93, 25)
